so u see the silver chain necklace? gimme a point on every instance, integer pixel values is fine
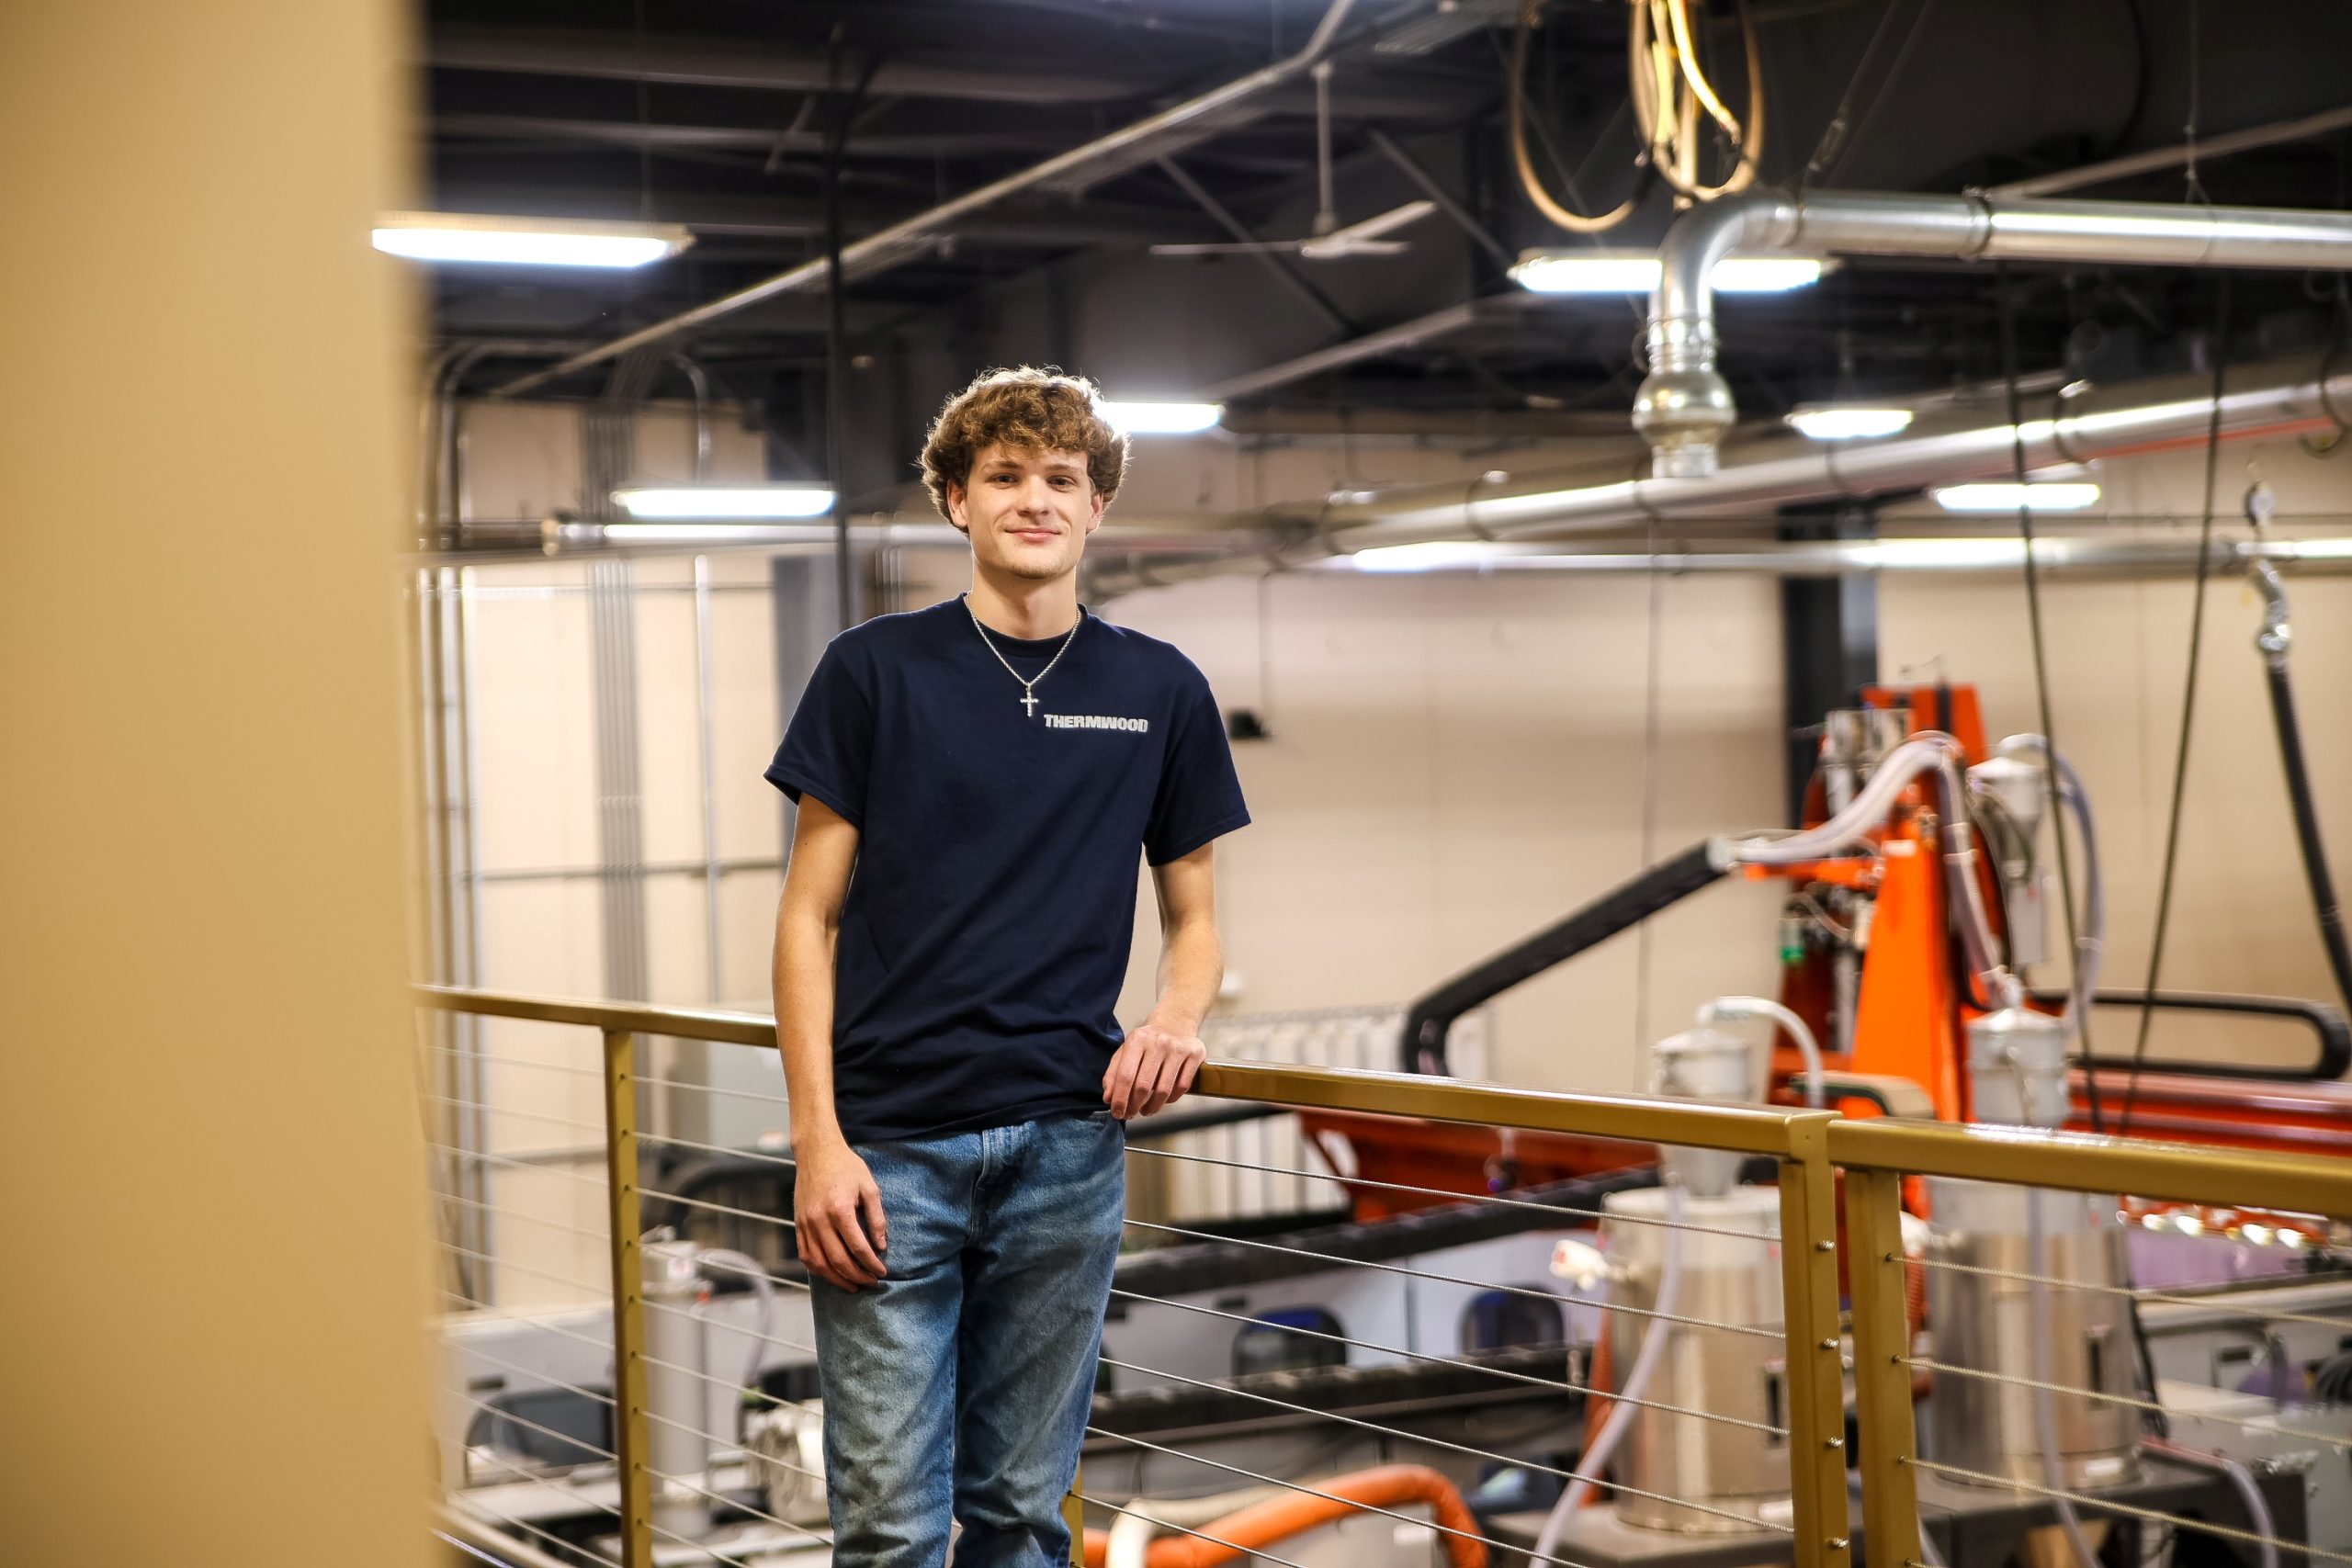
(1028, 688)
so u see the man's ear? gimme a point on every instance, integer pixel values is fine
(1101, 501)
(955, 518)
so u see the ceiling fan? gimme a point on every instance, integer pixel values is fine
(1330, 241)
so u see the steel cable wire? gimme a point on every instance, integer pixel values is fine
(511, 1163)
(517, 1470)
(1752, 1332)
(1449, 1361)
(1487, 1198)
(656, 1475)
(1403, 1436)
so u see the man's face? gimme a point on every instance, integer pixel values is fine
(1027, 513)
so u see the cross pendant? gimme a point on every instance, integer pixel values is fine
(1028, 702)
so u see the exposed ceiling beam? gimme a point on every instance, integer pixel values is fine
(767, 217)
(732, 62)
(754, 139)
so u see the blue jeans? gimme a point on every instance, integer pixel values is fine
(960, 1384)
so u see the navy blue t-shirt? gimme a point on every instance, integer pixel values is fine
(986, 926)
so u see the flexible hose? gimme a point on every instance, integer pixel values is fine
(1928, 751)
(1131, 1532)
(2274, 644)
(2257, 1507)
(1262, 1523)
(1621, 1418)
(1731, 1008)
(2090, 942)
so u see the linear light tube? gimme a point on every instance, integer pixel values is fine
(1636, 271)
(1833, 422)
(714, 503)
(491, 240)
(2007, 497)
(1161, 419)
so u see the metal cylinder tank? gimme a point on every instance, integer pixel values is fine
(1989, 1322)
(1729, 1279)
(677, 1448)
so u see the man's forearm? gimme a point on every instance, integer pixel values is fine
(804, 1024)
(1192, 966)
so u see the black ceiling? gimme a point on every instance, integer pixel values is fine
(721, 114)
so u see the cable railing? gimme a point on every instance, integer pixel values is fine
(2040, 1385)
(1451, 1374)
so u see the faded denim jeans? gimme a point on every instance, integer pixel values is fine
(960, 1384)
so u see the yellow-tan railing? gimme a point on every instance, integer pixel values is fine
(1812, 1148)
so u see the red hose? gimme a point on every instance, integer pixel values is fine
(1262, 1524)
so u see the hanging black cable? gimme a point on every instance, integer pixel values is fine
(2042, 685)
(2188, 694)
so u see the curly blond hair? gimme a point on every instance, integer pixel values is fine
(1029, 410)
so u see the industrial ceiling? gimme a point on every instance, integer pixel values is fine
(741, 118)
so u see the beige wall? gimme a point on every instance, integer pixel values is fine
(212, 1318)
(1457, 761)
(2242, 915)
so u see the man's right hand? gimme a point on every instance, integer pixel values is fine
(835, 1204)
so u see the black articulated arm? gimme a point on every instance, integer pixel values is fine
(1628, 904)
(2334, 1059)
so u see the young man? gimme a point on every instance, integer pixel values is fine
(976, 781)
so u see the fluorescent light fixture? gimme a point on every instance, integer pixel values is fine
(1434, 557)
(495, 241)
(1636, 271)
(1161, 419)
(2046, 496)
(1839, 422)
(713, 504)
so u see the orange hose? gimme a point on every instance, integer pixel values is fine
(1262, 1524)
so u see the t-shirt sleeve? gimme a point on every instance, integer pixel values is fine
(1200, 795)
(829, 746)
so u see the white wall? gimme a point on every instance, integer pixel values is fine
(1455, 760)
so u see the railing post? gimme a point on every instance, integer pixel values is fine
(1874, 1272)
(1074, 1516)
(628, 1299)
(1815, 1376)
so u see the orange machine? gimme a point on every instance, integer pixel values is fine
(1888, 914)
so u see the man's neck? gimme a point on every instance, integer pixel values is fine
(1022, 608)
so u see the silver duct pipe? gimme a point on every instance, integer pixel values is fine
(902, 238)
(565, 535)
(1684, 407)
(2300, 395)
(2068, 555)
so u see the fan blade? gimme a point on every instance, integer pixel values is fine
(1332, 248)
(1394, 218)
(1256, 248)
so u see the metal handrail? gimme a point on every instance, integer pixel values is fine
(1875, 1156)
(1634, 1119)
(1797, 1138)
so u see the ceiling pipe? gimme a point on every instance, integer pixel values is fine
(2061, 554)
(2306, 394)
(2310, 125)
(902, 238)
(1684, 406)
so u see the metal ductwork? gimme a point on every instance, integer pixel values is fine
(2305, 394)
(909, 235)
(1684, 406)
